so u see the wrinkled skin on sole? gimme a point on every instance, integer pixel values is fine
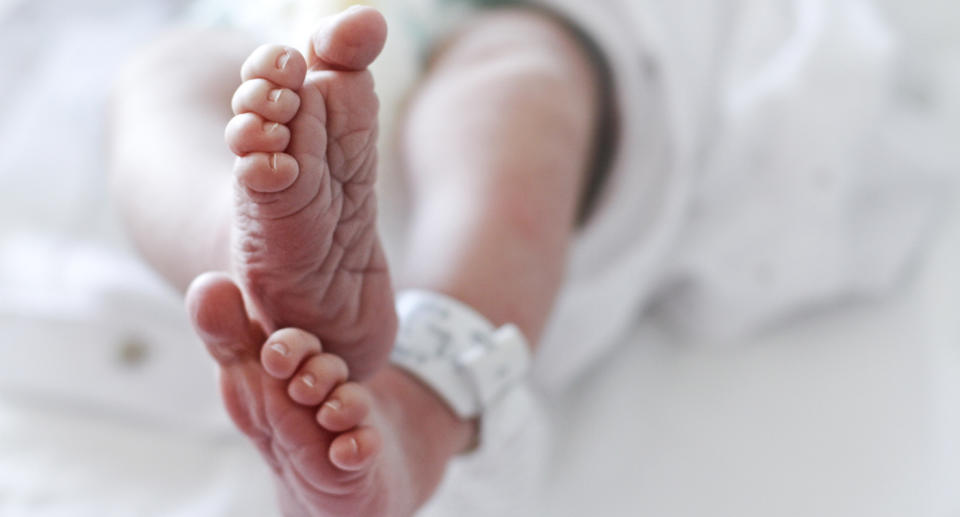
(305, 245)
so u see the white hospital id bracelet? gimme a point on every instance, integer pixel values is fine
(458, 353)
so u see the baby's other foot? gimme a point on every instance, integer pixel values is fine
(336, 447)
(306, 249)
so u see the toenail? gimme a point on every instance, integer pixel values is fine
(309, 380)
(280, 348)
(275, 95)
(273, 161)
(355, 445)
(334, 404)
(270, 127)
(283, 59)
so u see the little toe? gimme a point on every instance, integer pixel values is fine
(355, 450)
(266, 172)
(249, 132)
(280, 64)
(285, 349)
(267, 99)
(318, 375)
(346, 407)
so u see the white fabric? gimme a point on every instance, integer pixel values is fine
(482, 483)
(82, 320)
(92, 327)
(108, 405)
(804, 195)
(78, 461)
(770, 164)
(851, 413)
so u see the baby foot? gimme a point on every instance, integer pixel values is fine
(306, 250)
(336, 447)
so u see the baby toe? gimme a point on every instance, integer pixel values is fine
(350, 40)
(266, 172)
(219, 315)
(267, 99)
(280, 64)
(346, 407)
(318, 375)
(355, 450)
(285, 349)
(249, 132)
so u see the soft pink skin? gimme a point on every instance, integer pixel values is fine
(320, 434)
(305, 244)
(337, 447)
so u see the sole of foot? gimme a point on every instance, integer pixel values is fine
(336, 447)
(305, 245)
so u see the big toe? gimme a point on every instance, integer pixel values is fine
(218, 314)
(350, 40)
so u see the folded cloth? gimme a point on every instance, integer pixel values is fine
(83, 322)
(508, 472)
(84, 326)
(769, 163)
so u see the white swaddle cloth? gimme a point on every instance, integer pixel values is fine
(766, 167)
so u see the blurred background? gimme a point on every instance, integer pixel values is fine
(848, 407)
